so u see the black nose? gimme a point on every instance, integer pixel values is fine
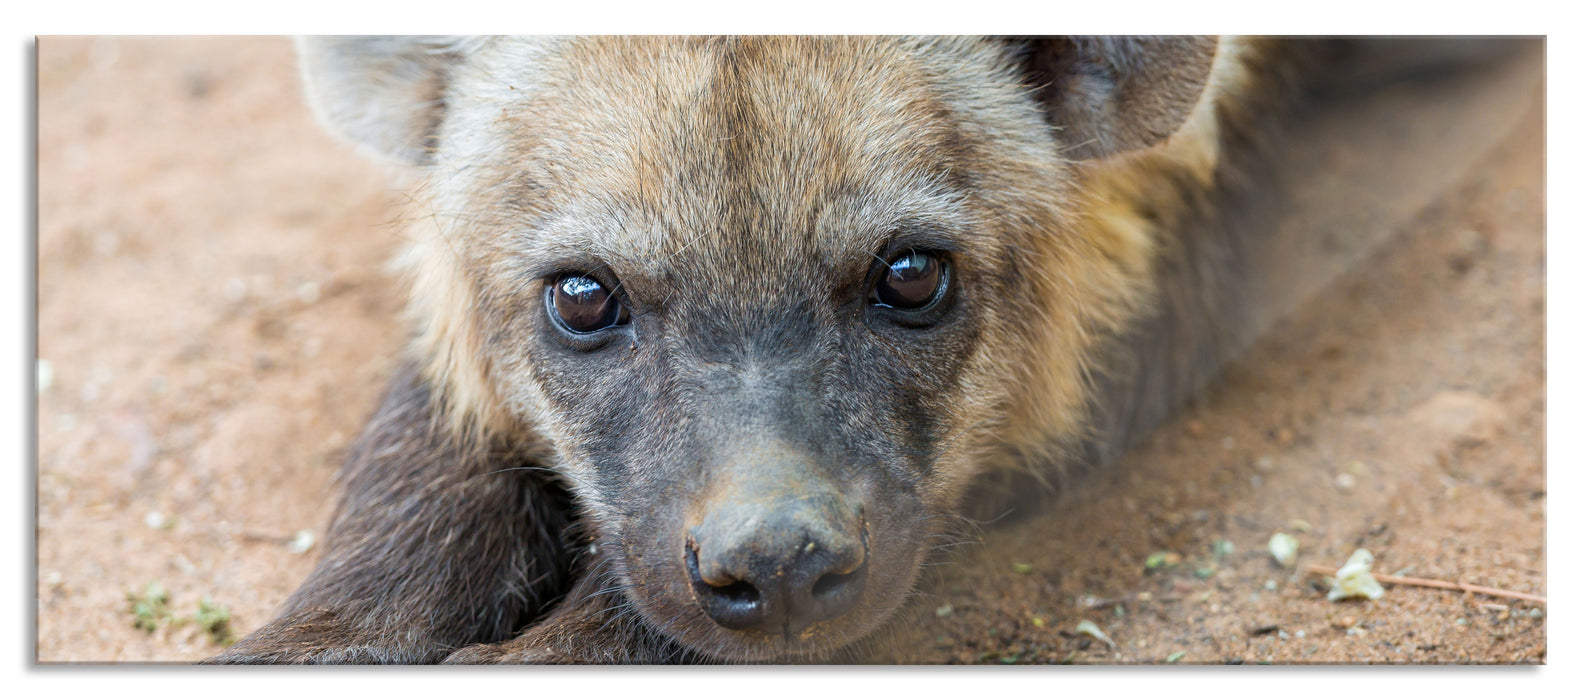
(779, 571)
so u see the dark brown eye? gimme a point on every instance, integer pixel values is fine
(583, 305)
(912, 280)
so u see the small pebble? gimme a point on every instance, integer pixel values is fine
(301, 542)
(1355, 579)
(154, 520)
(45, 374)
(1092, 630)
(1159, 559)
(308, 292)
(1283, 548)
(1345, 482)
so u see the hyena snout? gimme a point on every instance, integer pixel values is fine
(780, 561)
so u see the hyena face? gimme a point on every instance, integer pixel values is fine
(771, 300)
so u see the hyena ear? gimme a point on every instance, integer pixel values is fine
(1109, 95)
(384, 92)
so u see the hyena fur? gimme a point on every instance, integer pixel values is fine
(750, 461)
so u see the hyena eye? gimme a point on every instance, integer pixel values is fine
(911, 280)
(582, 304)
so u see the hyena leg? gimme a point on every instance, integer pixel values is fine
(435, 546)
(593, 626)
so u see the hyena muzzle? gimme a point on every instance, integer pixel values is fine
(715, 336)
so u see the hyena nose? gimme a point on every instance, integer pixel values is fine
(780, 573)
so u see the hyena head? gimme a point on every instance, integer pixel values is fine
(773, 301)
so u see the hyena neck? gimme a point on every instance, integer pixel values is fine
(1200, 199)
(1174, 221)
(1241, 244)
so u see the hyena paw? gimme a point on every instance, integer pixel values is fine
(262, 654)
(508, 653)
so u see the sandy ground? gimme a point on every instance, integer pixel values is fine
(215, 321)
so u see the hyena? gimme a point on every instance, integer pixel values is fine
(713, 337)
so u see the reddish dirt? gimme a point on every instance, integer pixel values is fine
(216, 317)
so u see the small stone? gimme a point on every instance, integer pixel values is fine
(308, 292)
(44, 374)
(154, 520)
(1345, 482)
(1355, 579)
(1265, 463)
(944, 610)
(1223, 548)
(1092, 630)
(1161, 559)
(301, 542)
(1283, 548)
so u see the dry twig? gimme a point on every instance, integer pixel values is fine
(1432, 583)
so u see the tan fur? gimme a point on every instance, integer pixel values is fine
(762, 386)
(1095, 254)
